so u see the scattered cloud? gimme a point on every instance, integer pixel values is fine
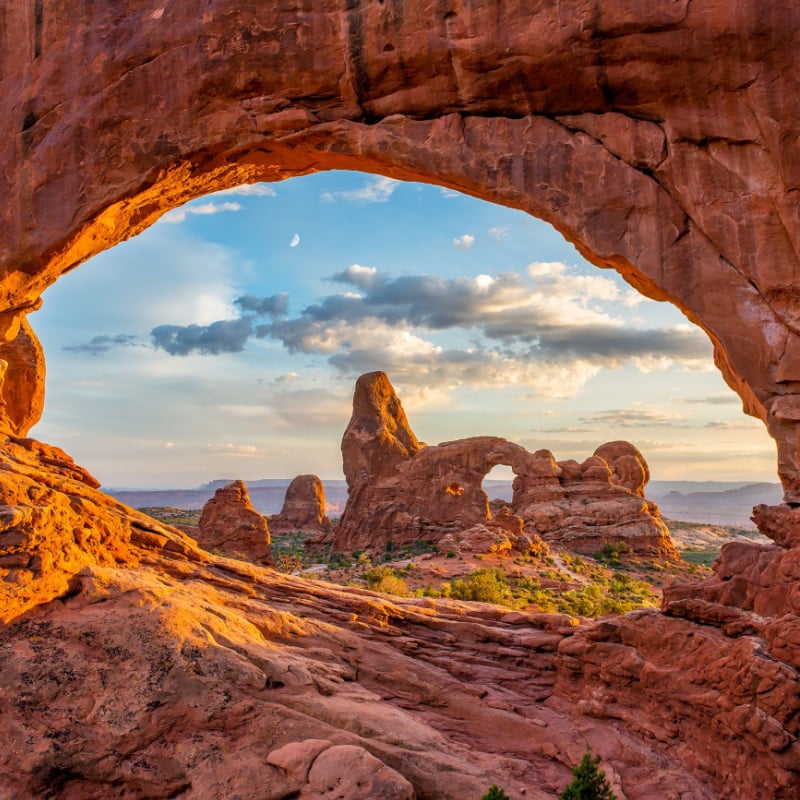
(295, 240)
(565, 429)
(713, 400)
(249, 190)
(222, 336)
(448, 194)
(274, 305)
(551, 317)
(169, 445)
(549, 329)
(356, 275)
(377, 190)
(498, 232)
(102, 344)
(464, 242)
(230, 449)
(746, 423)
(635, 418)
(178, 215)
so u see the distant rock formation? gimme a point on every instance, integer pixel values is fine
(403, 491)
(303, 507)
(229, 523)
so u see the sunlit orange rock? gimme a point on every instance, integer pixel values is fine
(402, 493)
(303, 508)
(130, 658)
(229, 523)
(23, 384)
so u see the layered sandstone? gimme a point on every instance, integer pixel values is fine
(229, 523)
(303, 508)
(183, 671)
(219, 677)
(400, 491)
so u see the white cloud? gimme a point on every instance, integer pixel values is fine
(287, 377)
(230, 449)
(356, 275)
(464, 242)
(546, 270)
(249, 190)
(377, 190)
(178, 215)
(498, 232)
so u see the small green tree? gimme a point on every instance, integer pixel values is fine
(590, 782)
(495, 794)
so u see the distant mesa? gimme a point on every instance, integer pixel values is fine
(230, 524)
(303, 508)
(402, 491)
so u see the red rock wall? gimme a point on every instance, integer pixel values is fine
(660, 138)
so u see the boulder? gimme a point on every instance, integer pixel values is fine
(303, 508)
(230, 524)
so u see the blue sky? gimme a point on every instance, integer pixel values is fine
(225, 340)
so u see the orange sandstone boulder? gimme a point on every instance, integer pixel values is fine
(230, 523)
(303, 507)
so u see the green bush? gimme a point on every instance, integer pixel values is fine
(590, 782)
(485, 586)
(384, 579)
(495, 794)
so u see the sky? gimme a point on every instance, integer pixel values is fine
(225, 341)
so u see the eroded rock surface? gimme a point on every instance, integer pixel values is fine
(230, 523)
(135, 664)
(660, 138)
(303, 508)
(400, 491)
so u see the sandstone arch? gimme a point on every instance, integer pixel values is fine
(660, 138)
(661, 141)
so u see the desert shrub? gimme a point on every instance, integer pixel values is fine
(611, 553)
(485, 586)
(384, 579)
(288, 562)
(495, 793)
(590, 782)
(339, 561)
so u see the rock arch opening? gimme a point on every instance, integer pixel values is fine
(631, 171)
(204, 320)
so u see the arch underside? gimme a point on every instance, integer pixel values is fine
(661, 143)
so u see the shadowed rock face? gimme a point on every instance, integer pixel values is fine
(401, 491)
(303, 507)
(660, 138)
